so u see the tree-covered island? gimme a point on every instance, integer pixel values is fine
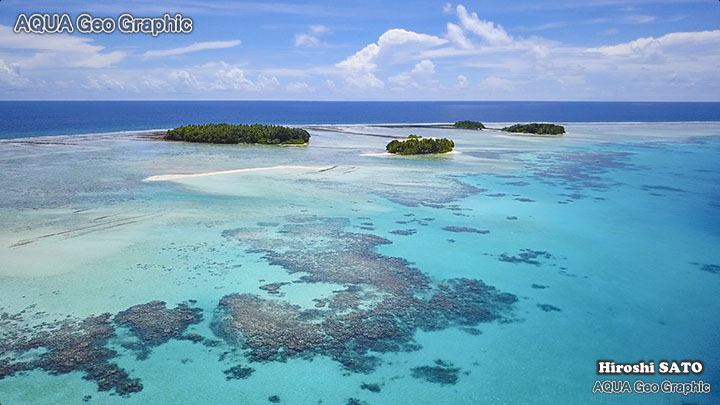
(469, 125)
(233, 134)
(417, 145)
(536, 129)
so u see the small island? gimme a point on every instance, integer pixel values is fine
(234, 134)
(469, 125)
(417, 145)
(536, 129)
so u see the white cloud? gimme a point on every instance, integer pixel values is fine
(447, 8)
(104, 82)
(232, 78)
(319, 29)
(456, 35)
(365, 81)
(56, 51)
(419, 76)
(9, 76)
(196, 47)
(394, 46)
(424, 67)
(492, 34)
(263, 82)
(649, 44)
(462, 81)
(396, 42)
(311, 39)
(305, 40)
(492, 83)
(298, 87)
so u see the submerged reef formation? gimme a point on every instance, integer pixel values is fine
(384, 303)
(710, 268)
(232, 134)
(64, 347)
(579, 170)
(417, 145)
(465, 229)
(154, 324)
(69, 345)
(527, 256)
(238, 372)
(442, 373)
(549, 308)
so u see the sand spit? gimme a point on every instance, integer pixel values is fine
(171, 177)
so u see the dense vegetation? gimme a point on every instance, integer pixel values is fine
(417, 145)
(535, 128)
(469, 125)
(229, 133)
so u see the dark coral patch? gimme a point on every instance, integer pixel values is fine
(238, 372)
(370, 387)
(526, 256)
(442, 373)
(549, 308)
(273, 288)
(465, 229)
(710, 268)
(404, 232)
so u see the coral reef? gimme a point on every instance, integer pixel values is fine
(69, 345)
(154, 324)
(465, 229)
(384, 303)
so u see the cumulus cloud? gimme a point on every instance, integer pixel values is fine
(424, 67)
(394, 46)
(419, 76)
(196, 47)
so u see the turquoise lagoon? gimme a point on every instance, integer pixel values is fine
(607, 236)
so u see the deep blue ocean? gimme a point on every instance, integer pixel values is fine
(39, 118)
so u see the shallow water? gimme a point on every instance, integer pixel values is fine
(617, 222)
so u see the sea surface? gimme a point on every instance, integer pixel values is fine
(36, 118)
(333, 273)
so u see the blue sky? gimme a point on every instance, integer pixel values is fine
(651, 50)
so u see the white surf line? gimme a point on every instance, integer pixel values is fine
(170, 177)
